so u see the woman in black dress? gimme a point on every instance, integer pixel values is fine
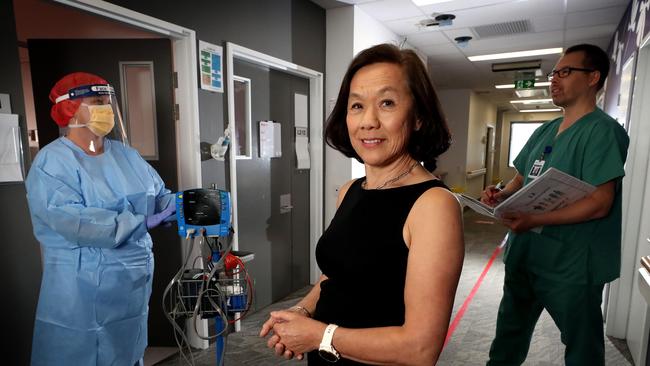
(393, 253)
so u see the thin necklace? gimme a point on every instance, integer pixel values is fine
(392, 180)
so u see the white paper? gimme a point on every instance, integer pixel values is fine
(266, 139)
(301, 106)
(302, 148)
(550, 191)
(277, 140)
(10, 149)
(270, 139)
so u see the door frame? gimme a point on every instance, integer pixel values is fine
(188, 153)
(234, 51)
(186, 99)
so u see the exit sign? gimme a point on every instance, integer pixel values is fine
(525, 84)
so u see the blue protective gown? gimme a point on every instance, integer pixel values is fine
(88, 213)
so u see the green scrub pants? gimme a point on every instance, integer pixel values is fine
(574, 308)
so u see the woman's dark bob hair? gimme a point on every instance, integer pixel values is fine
(424, 144)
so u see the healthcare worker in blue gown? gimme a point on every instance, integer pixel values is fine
(92, 200)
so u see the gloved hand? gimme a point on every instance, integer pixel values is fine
(155, 219)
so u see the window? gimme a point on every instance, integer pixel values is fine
(520, 132)
(139, 102)
(242, 117)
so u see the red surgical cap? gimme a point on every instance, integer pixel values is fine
(63, 111)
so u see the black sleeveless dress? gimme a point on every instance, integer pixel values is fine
(364, 256)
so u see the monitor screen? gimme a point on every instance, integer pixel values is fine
(202, 207)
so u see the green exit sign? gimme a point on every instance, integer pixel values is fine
(525, 84)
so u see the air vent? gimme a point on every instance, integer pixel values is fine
(502, 29)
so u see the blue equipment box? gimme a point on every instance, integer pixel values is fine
(207, 209)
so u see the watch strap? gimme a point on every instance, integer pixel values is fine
(328, 335)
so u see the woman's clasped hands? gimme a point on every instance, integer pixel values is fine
(294, 334)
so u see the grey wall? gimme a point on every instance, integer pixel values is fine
(20, 259)
(293, 30)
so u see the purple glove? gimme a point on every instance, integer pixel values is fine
(155, 219)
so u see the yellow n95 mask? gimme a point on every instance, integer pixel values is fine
(101, 119)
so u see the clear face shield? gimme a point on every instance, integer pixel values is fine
(97, 118)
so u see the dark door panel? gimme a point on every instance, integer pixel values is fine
(279, 237)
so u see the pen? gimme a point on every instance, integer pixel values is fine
(500, 186)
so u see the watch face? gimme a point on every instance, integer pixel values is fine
(328, 356)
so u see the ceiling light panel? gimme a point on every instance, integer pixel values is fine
(531, 101)
(516, 54)
(540, 110)
(390, 10)
(429, 2)
(531, 93)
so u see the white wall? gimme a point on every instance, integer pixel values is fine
(482, 113)
(504, 171)
(455, 105)
(339, 50)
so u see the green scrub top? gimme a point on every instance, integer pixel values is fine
(594, 150)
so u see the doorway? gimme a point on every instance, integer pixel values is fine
(489, 156)
(272, 194)
(278, 73)
(181, 166)
(50, 59)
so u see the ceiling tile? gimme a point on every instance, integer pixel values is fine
(595, 17)
(508, 11)
(406, 26)
(453, 6)
(427, 38)
(597, 31)
(519, 42)
(547, 23)
(602, 42)
(581, 5)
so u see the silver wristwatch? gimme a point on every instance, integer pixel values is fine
(326, 349)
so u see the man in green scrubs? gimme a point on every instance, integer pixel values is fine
(564, 268)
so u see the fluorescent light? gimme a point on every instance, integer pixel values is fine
(500, 56)
(429, 2)
(540, 110)
(531, 101)
(512, 86)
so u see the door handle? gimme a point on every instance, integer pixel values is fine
(286, 207)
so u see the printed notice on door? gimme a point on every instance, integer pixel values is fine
(210, 64)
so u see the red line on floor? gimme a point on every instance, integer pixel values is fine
(468, 300)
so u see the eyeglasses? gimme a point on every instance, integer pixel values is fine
(565, 71)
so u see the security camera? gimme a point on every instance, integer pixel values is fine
(445, 19)
(462, 41)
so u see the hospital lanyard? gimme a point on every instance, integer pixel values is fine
(538, 165)
(547, 150)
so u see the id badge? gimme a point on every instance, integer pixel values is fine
(536, 170)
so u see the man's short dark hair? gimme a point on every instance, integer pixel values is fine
(594, 58)
(424, 144)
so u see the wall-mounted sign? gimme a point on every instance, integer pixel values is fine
(210, 64)
(525, 84)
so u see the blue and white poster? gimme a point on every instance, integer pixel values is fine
(210, 64)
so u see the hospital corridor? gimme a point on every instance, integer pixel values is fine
(325, 182)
